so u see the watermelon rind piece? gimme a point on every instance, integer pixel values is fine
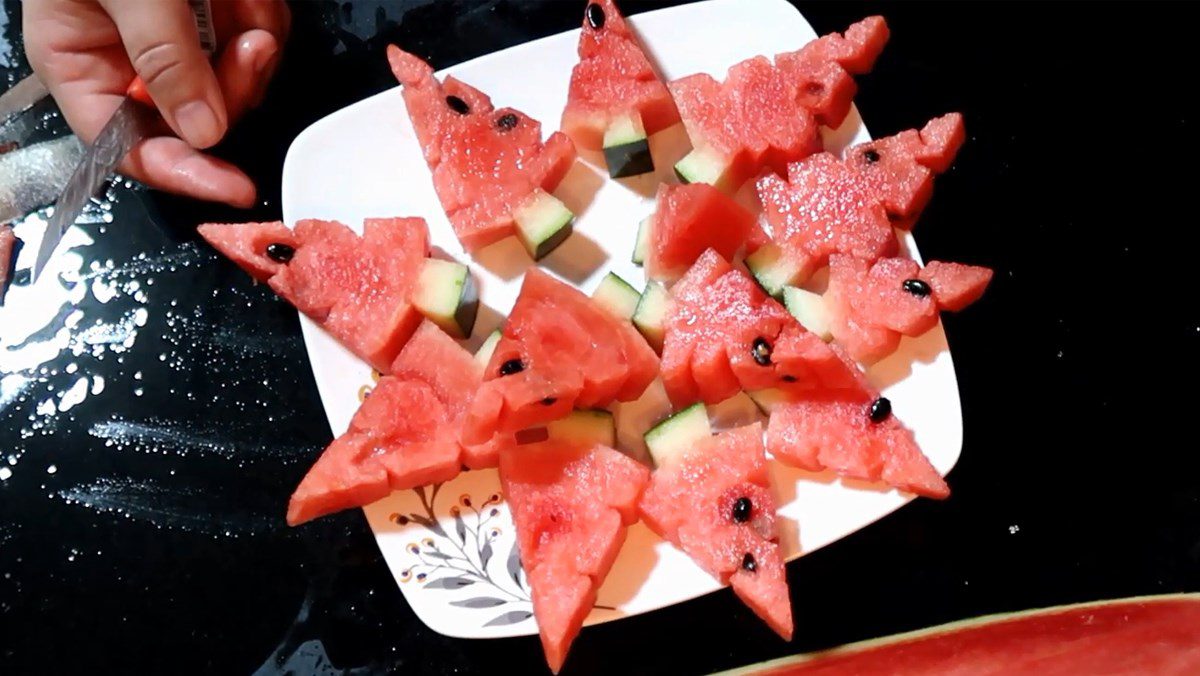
(642, 243)
(484, 355)
(585, 426)
(810, 310)
(626, 148)
(650, 316)
(737, 411)
(772, 270)
(446, 294)
(767, 399)
(704, 166)
(617, 296)
(669, 439)
(543, 223)
(977, 660)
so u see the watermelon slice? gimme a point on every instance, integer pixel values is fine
(765, 115)
(404, 435)
(710, 496)
(559, 350)
(491, 169)
(1139, 635)
(690, 219)
(616, 99)
(8, 242)
(856, 437)
(571, 502)
(368, 292)
(723, 334)
(850, 205)
(870, 306)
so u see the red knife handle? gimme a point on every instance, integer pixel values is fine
(137, 92)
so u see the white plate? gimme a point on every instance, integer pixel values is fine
(364, 161)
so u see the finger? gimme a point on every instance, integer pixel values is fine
(170, 164)
(163, 46)
(243, 69)
(272, 16)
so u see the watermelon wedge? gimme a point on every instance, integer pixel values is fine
(616, 99)
(856, 437)
(369, 292)
(710, 496)
(404, 435)
(687, 221)
(766, 115)
(850, 205)
(1139, 635)
(871, 306)
(722, 334)
(8, 243)
(491, 169)
(572, 500)
(559, 350)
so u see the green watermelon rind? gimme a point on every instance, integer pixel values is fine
(483, 356)
(947, 629)
(617, 296)
(447, 295)
(667, 440)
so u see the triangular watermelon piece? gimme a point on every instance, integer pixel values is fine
(856, 438)
(357, 288)
(690, 219)
(491, 169)
(559, 350)
(871, 306)
(571, 503)
(404, 435)
(713, 500)
(851, 205)
(616, 99)
(765, 115)
(723, 335)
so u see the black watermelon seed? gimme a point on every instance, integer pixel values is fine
(511, 366)
(761, 351)
(595, 16)
(280, 253)
(549, 401)
(881, 408)
(748, 563)
(871, 156)
(788, 379)
(917, 287)
(742, 508)
(457, 105)
(507, 122)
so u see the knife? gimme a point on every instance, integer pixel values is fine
(129, 125)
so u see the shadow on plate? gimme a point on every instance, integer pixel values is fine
(898, 365)
(630, 572)
(576, 259)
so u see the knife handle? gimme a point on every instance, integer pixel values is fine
(137, 92)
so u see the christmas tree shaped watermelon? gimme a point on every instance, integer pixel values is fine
(491, 169)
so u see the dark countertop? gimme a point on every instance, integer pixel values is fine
(141, 530)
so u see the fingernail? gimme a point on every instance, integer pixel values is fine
(198, 124)
(263, 59)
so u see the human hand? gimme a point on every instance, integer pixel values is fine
(88, 51)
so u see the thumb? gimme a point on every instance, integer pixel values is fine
(162, 43)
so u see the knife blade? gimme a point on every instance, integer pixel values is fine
(128, 125)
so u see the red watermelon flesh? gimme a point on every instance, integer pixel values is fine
(486, 163)
(559, 350)
(356, 288)
(712, 349)
(1134, 636)
(690, 503)
(571, 504)
(612, 80)
(7, 241)
(830, 432)
(690, 219)
(872, 305)
(765, 115)
(851, 206)
(404, 435)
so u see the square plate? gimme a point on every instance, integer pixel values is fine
(452, 548)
